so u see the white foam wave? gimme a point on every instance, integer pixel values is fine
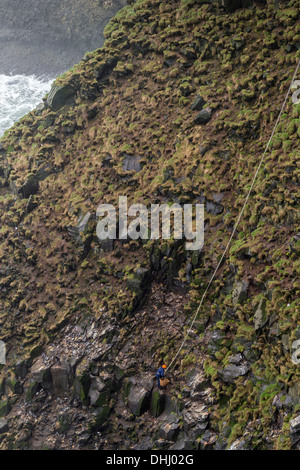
(19, 94)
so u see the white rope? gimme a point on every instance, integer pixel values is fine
(237, 222)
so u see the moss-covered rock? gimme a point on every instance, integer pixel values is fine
(32, 390)
(157, 403)
(60, 96)
(5, 407)
(82, 382)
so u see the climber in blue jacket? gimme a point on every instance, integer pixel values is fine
(160, 374)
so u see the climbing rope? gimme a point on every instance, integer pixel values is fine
(237, 222)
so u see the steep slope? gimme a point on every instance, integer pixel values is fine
(86, 323)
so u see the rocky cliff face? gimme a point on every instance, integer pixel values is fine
(49, 37)
(177, 106)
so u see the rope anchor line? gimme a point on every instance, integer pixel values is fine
(237, 222)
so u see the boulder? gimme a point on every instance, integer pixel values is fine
(249, 3)
(204, 116)
(197, 382)
(45, 38)
(157, 404)
(106, 245)
(240, 292)
(2, 386)
(3, 426)
(32, 182)
(5, 408)
(239, 444)
(82, 382)
(238, 42)
(60, 96)
(231, 372)
(100, 419)
(41, 373)
(195, 420)
(213, 208)
(99, 393)
(139, 281)
(32, 390)
(169, 431)
(218, 197)
(2, 353)
(139, 394)
(294, 393)
(60, 379)
(260, 317)
(236, 359)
